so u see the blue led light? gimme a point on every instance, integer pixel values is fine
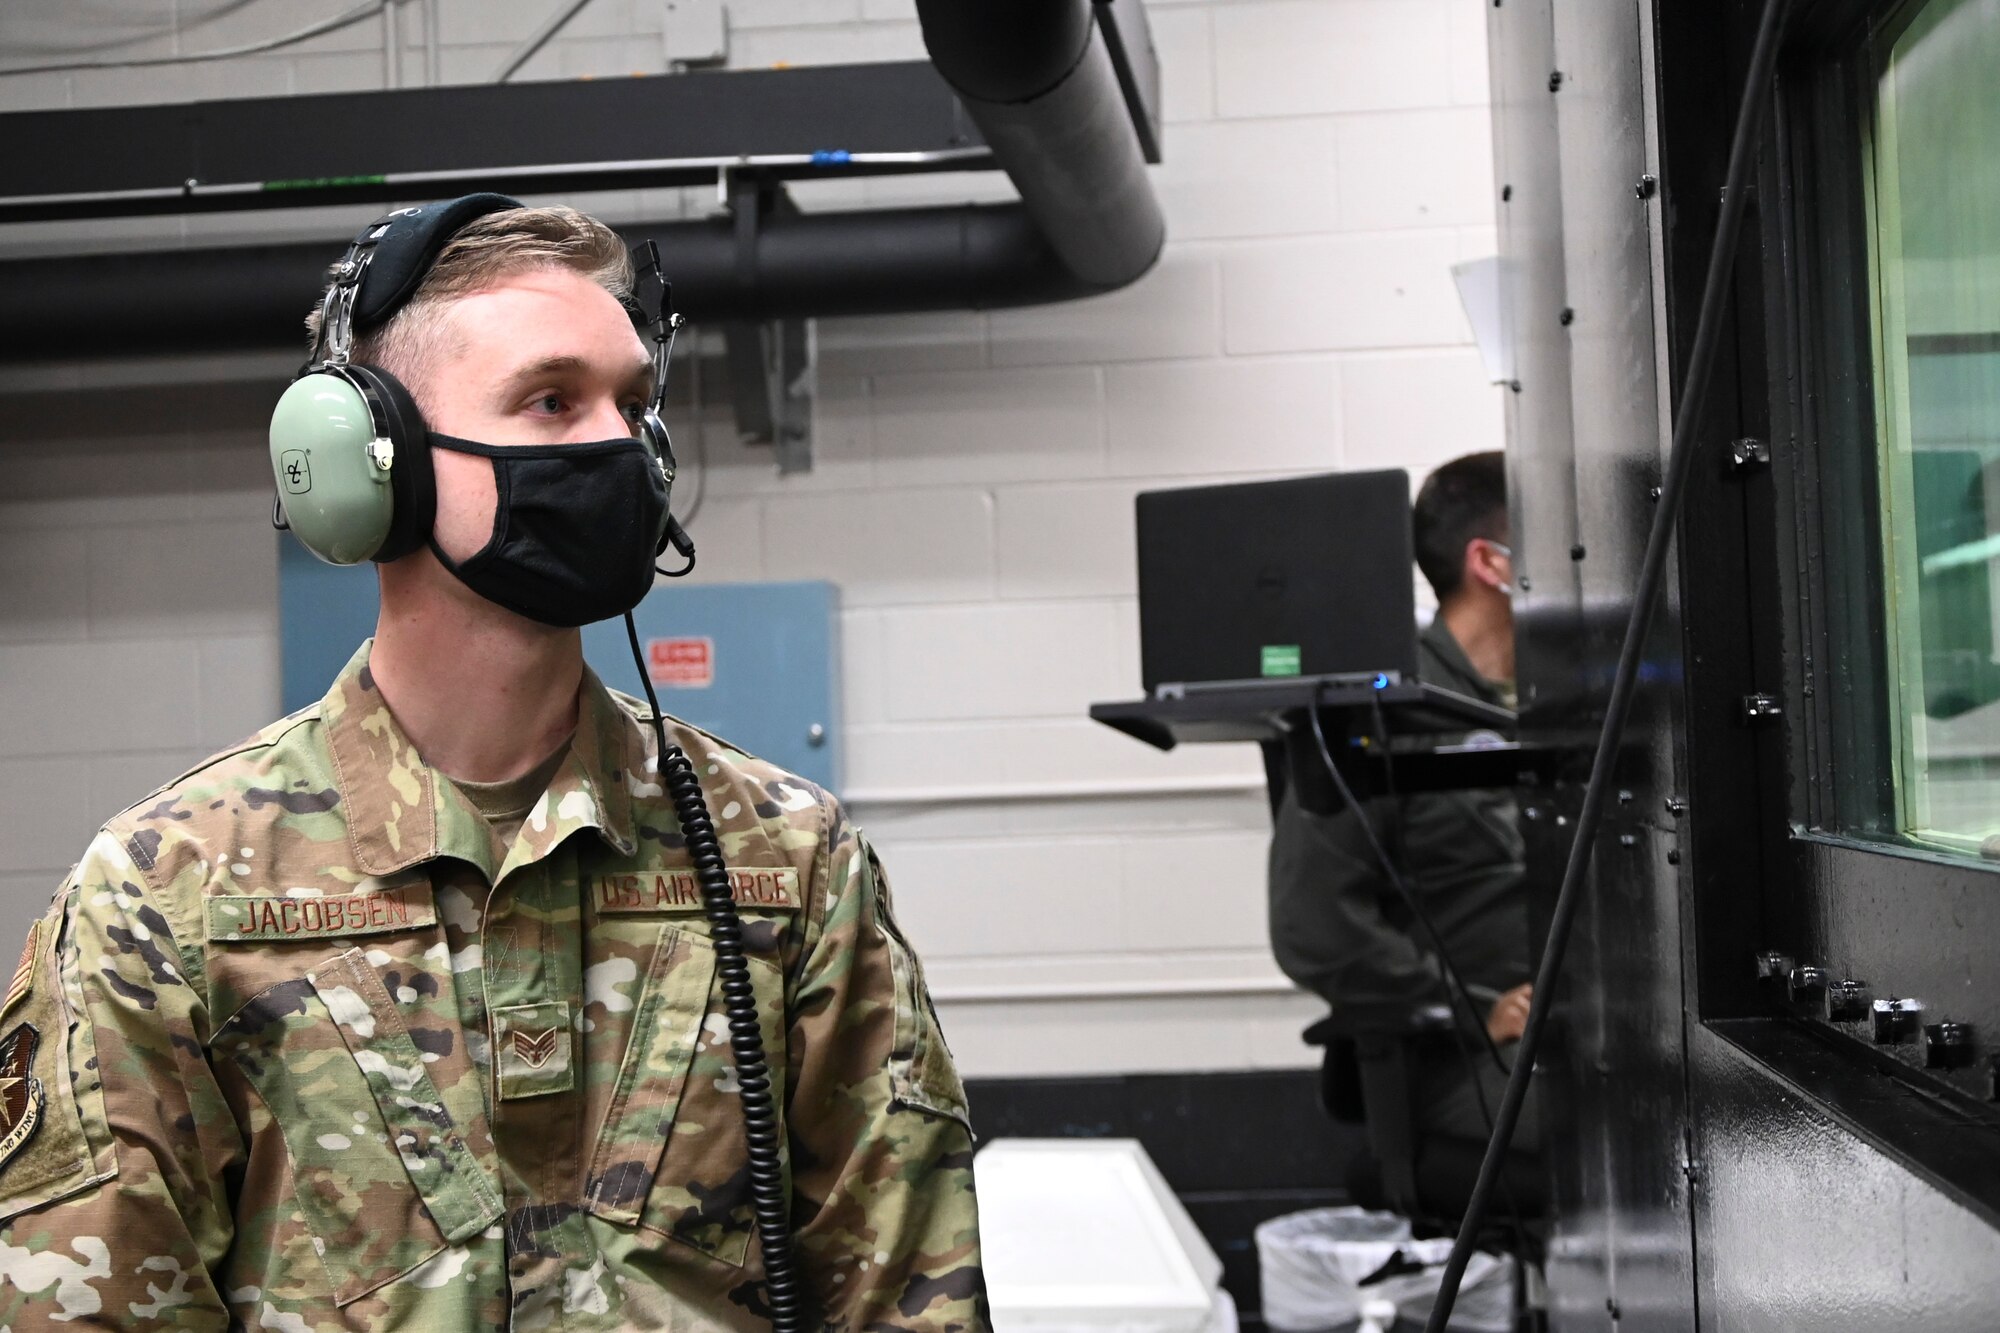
(831, 157)
(1381, 680)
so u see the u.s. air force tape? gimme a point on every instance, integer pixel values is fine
(757, 888)
(259, 917)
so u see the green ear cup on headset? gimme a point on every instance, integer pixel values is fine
(333, 471)
(353, 464)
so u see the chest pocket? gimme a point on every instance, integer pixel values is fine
(673, 1156)
(381, 1192)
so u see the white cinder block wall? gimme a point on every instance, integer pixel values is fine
(1082, 903)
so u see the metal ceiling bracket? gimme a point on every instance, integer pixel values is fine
(773, 364)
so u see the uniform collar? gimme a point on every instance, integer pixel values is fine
(402, 812)
(1439, 639)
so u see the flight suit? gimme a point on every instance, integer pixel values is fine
(301, 1046)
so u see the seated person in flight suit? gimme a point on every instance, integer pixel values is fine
(1338, 926)
(404, 1012)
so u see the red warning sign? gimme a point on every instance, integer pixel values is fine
(687, 664)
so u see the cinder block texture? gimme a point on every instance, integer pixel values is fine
(1326, 161)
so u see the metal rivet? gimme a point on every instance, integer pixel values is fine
(1676, 806)
(1628, 840)
(1646, 187)
(1576, 551)
(1506, 193)
(1555, 80)
(1515, 385)
(1653, 494)
(1567, 317)
(1624, 798)
(1527, 584)
(1673, 856)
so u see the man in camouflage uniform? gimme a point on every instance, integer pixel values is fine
(320, 1036)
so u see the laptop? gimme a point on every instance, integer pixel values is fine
(1273, 580)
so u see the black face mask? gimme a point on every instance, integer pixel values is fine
(575, 529)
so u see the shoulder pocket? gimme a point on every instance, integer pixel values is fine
(921, 1071)
(382, 1192)
(45, 1153)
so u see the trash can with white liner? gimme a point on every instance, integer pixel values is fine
(1322, 1267)
(1083, 1236)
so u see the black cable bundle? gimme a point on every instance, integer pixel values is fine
(770, 1200)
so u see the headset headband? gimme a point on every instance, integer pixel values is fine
(385, 264)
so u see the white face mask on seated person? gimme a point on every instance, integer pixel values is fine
(1506, 589)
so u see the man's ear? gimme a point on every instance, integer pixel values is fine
(1482, 564)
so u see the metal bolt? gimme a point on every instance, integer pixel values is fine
(1624, 798)
(1747, 455)
(1676, 806)
(1576, 551)
(1653, 494)
(1761, 708)
(1527, 584)
(1648, 185)
(1807, 985)
(1948, 1045)
(1567, 317)
(1514, 385)
(1773, 963)
(1628, 840)
(816, 735)
(1673, 856)
(1555, 80)
(1506, 191)
(1848, 1001)
(1895, 1020)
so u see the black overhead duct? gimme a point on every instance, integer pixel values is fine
(1064, 95)
(1038, 78)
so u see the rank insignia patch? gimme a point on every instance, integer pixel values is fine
(21, 1094)
(535, 1051)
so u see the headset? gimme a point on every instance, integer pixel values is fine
(348, 447)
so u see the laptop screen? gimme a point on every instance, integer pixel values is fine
(1310, 576)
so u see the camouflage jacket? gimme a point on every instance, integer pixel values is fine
(301, 1047)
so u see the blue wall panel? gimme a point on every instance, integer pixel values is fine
(775, 651)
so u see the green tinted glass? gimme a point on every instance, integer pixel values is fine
(1934, 213)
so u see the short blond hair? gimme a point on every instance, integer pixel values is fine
(488, 250)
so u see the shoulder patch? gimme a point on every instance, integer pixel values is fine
(757, 888)
(21, 1095)
(44, 1152)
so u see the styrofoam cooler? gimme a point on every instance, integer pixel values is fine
(1083, 1236)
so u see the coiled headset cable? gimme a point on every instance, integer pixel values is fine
(770, 1199)
(1645, 597)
